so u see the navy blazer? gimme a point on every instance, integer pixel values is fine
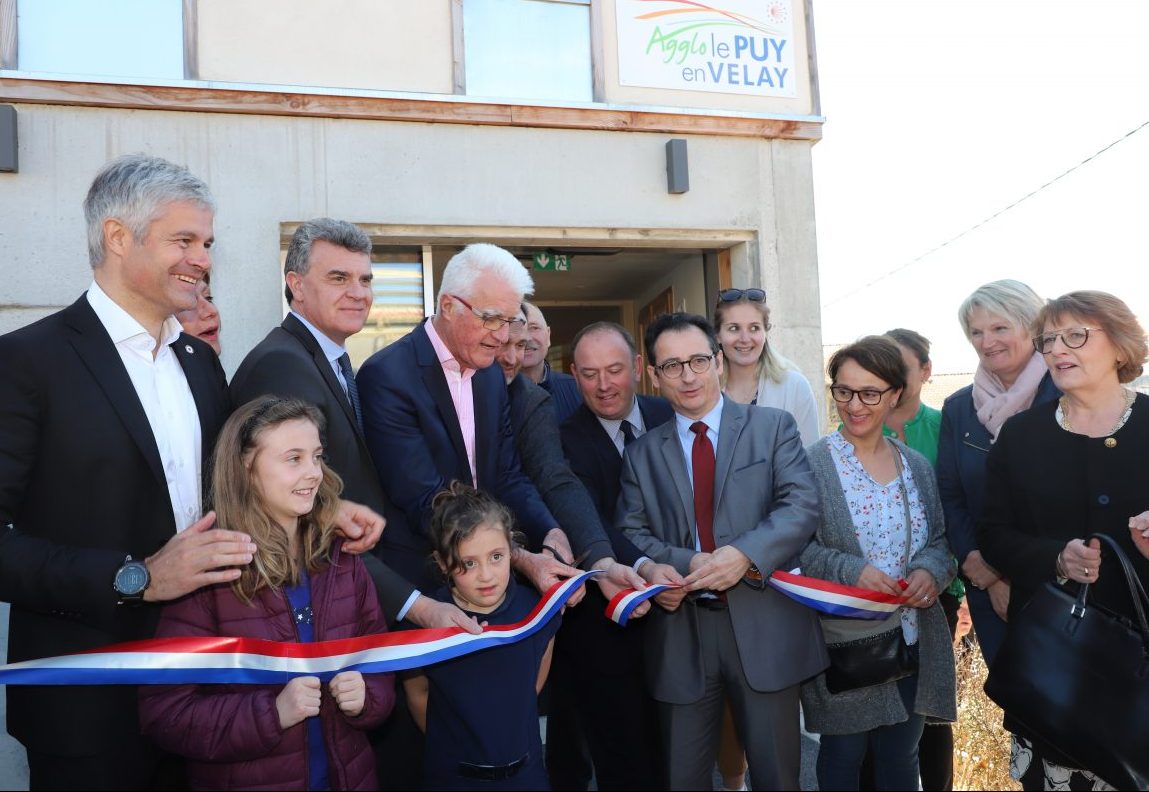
(563, 390)
(289, 362)
(82, 486)
(594, 458)
(414, 437)
(963, 445)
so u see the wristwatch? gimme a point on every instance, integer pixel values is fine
(131, 580)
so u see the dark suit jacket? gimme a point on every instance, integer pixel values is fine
(81, 487)
(290, 362)
(765, 505)
(563, 389)
(541, 452)
(594, 458)
(414, 437)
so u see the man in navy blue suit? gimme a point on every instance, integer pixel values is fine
(435, 410)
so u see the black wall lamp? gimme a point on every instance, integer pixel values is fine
(677, 169)
(9, 147)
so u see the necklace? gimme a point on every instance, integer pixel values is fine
(1129, 397)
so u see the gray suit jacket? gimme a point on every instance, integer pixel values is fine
(766, 505)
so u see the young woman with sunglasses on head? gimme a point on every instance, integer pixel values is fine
(755, 373)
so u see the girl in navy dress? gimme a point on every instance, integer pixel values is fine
(480, 711)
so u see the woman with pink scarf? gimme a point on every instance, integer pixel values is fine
(1010, 377)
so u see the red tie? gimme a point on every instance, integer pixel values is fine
(702, 460)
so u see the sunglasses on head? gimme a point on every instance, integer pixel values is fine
(734, 295)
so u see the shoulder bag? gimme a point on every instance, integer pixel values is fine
(864, 652)
(1076, 677)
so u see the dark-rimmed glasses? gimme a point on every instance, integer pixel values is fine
(734, 295)
(1073, 338)
(867, 396)
(493, 322)
(672, 369)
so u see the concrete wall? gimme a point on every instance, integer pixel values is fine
(267, 170)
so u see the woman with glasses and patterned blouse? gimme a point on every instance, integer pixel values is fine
(1010, 377)
(755, 373)
(881, 529)
(1066, 469)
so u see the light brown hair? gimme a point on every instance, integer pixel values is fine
(1109, 313)
(770, 364)
(240, 507)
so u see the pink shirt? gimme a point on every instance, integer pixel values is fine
(459, 383)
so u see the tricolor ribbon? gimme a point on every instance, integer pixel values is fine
(168, 661)
(833, 599)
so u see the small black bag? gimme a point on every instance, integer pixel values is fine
(1075, 676)
(873, 660)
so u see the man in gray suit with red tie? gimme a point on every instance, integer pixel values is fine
(718, 498)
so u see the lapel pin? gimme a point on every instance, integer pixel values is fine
(188, 349)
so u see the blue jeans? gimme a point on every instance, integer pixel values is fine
(894, 750)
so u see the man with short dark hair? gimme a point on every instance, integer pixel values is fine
(718, 499)
(328, 277)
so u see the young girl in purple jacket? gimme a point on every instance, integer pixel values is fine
(269, 481)
(480, 711)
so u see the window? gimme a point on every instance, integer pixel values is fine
(119, 38)
(528, 49)
(397, 304)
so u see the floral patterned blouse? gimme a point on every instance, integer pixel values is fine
(880, 519)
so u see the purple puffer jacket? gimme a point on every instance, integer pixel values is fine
(230, 734)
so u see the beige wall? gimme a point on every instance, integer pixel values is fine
(268, 170)
(396, 45)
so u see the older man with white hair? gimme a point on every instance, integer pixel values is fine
(435, 410)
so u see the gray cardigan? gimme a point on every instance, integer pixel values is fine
(835, 554)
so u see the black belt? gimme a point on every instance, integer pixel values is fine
(710, 603)
(483, 772)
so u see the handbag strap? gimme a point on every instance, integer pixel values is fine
(905, 505)
(1136, 590)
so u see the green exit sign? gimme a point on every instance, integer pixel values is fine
(552, 262)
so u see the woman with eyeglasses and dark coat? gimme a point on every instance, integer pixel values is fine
(755, 373)
(1010, 377)
(1066, 469)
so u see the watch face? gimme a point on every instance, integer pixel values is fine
(131, 579)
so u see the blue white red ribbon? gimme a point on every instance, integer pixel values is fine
(167, 661)
(821, 595)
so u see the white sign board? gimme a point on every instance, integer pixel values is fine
(730, 46)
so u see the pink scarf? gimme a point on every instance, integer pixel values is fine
(995, 403)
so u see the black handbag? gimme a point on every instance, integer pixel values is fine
(1075, 676)
(865, 653)
(874, 660)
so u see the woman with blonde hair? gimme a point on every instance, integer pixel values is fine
(755, 372)
(1010, 378)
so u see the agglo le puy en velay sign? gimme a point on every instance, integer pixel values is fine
(734, 46)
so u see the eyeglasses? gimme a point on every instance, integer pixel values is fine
(734, 295)
(1074, 338)
(868, 396)
(672, 369)
(493, 322)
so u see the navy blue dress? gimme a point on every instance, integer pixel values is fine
(482, 708)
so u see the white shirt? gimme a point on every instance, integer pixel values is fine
(614, 428)
(167, 400)
(331, 350)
